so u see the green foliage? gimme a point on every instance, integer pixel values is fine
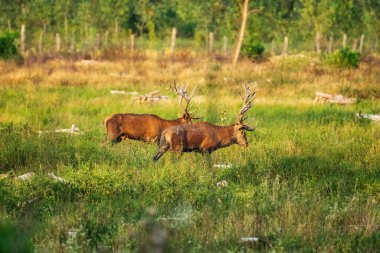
(309, 180)
(344, 58)
(252, 49)
(299, 19)
(8, 48)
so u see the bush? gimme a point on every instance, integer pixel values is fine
(252, 49)
(345, 58)
(7, 45)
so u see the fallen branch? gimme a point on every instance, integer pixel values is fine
(374, 117)
(153, 96)
(116, 92)
(249, 239)
(25, 176)
(73, 130)
(222, 166)
(28, 175)
(323, 98)
(222, 184)
(53, 176)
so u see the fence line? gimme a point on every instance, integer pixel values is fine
(212, 44)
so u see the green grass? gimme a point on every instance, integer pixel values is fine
(309, 181)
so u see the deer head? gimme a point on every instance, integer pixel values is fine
(186, 116)
(240, 127)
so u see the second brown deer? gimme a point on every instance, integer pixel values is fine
(146, 127)
(205, 137)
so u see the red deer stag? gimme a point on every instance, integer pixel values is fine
(205, 137)
(146, 127)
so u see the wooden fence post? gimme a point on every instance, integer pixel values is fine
(72, 44)
(330, 45)
(57, 43)
(124, 45)
(132, 43)
(9, 25)
(318, 42)
(66, 28)
(211, 44)
(225, 45)
(361, 45)
(40, 41)
(344, 40)
(22, 39)
(286, 45)
(116, 28)
(98, 44)
(172, 44)
(354, 45)
(106, 39)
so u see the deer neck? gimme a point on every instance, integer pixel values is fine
(226, 136)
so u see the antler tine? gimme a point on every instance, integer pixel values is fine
(194, 111)
(193, 93)
(184, 95)
(179, 92)
(247, 101)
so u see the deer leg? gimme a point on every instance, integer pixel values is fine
(160, 152)
(177, 147)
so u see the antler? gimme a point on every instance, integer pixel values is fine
(184, 95)
(250, 92)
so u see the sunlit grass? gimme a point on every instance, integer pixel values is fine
(309, 181)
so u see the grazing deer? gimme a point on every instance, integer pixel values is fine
(146, 127)
(205, 137)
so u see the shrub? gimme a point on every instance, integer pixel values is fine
(7, 45)
(252, 49)
(345, 58)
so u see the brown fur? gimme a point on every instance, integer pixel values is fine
(145, 127)
(201, 137)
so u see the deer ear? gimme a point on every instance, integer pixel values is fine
(180, 115)
(249, 128)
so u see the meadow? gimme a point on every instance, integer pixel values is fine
(308, 182)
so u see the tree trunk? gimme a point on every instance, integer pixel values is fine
(361, 45)
(242, 31)
(116, 28)
(344, 40)
(106, 39)
(318, 38)
(172, 44)
(354, 45)
(9, 25)
(98, 41)
(286, 46)
(66, 26)
(22, 39)
(330, 45)
(211, 44)
(225, 45)
(132, 43)
(72, 44)
(40, 41)
(272, 48)
(57, 43)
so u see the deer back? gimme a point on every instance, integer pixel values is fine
(137, 126)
